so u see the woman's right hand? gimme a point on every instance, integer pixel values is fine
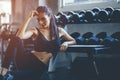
(33, 13)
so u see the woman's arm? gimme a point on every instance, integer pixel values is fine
(67, 37)
(22, 33)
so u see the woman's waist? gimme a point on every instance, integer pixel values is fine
(47, 49)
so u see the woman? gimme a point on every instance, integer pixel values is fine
(46, 44)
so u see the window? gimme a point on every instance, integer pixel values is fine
(5, 11)
(67, 5)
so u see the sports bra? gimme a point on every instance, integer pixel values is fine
(42, 44)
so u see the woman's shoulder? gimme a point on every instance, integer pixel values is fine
(60, 29)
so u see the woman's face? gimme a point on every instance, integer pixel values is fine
(44, 20)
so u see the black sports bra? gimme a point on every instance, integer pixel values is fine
(42, 44)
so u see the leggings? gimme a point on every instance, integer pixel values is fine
(28, 67)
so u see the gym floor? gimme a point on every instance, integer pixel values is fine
(64, 74)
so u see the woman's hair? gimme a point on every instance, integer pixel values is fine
(53, 27)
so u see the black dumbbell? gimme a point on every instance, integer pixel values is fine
(75, 18)
(87, 36)
(63, 19)
(101, 36)
(82, 16)
(89, 16)
(115, 15)
(93, 41)
(75, 35)
(96, 10)
(57, 18)
(116, 35)
(103, 16)
(80, 40)
(109, 10)
(69, 16)
(108, 41)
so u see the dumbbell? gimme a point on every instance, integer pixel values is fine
(80, 40)
(101, 36)
(103, 16)
(77, 37)
(96, 10)
(87, 36)
(109, 10)
(93, 41)
(116, 37)
(82, 16)
(115, 15)
(69, 16)
(108, 41)
(62, 18)
(89, 16)
(57, 18)
(75, 18)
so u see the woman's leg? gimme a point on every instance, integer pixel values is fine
(24, 63)
(10, 52)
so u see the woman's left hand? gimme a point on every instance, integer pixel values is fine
(64, 46)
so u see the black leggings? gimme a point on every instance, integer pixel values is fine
(26, 64)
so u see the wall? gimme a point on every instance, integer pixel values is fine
(20, 11)
(95, 28)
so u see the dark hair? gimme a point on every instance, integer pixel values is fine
(53, 27)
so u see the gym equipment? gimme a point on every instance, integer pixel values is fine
(102, 35)
(89, 16)
(103, 16)
(61, 18)
(69, 16)
(108, 42)
(82, 16)
(116, 37)
(115, 15)
(87, 36)
(96, 10)
(109, 10)
(75, 34)
(80, 40)
(57, 18)
(93, 41)
(75, 18)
